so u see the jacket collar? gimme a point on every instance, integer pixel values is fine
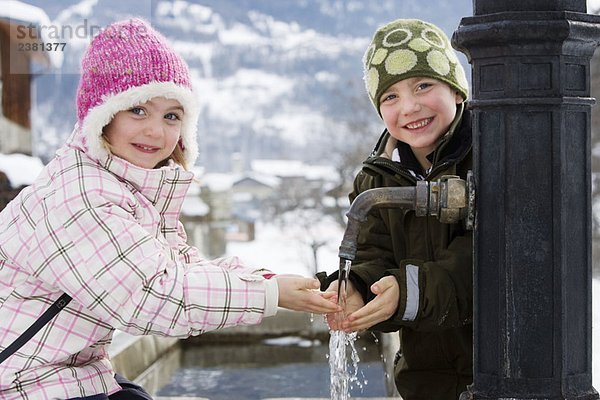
(164, 187)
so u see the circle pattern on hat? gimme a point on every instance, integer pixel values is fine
(379, 56)
(409, 48)
(372, 81)
(400, 61)
(419, 45)
(433, 38)
(438, 62)
(397, 37)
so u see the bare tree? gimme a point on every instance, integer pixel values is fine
(346, 139)
(348, 143)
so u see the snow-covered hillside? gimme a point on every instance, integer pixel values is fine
(273, 77)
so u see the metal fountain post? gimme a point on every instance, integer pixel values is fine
(532, 239)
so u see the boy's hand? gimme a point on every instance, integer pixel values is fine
(302, 294)
(354, 301)
(381, 308)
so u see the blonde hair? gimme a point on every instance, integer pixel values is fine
(177, 155)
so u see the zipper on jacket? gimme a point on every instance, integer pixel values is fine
(393, 167)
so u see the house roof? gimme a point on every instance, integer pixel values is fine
(193, 206)
(217, 182)
(294, 168)
(260, 179)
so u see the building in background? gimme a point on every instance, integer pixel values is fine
(25, 50)
(22, 56)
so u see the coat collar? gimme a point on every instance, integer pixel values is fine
(164, 187)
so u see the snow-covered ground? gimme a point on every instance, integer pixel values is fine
(286, 251)
(279, 250)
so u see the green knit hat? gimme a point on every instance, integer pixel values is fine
(406, 48)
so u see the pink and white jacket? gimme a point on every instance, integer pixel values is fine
(108, 234)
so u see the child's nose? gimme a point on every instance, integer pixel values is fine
(408, 105)
(152, 129)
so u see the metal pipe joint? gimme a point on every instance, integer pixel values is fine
(450, 199)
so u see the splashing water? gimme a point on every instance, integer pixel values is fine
(340, 344)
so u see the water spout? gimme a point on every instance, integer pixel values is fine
(450, 199)
(399, 197)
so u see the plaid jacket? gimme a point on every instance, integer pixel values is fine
(108, 234)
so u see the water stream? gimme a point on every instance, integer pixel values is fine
(342, 373)
(343, 357)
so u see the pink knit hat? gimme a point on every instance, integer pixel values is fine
(127, 64)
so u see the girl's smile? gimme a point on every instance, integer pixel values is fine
(146, 149)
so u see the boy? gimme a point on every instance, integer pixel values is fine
(414, 274)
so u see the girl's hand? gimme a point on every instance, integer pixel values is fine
(354, 301)
(302, 294)
(381, 308)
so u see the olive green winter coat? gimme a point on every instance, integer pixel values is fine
(432, 262)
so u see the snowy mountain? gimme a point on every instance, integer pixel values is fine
(274, 77)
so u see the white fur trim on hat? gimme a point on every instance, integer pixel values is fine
(101, 115)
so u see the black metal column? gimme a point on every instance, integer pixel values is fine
(531, 103)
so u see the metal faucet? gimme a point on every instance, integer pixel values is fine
(449, 198)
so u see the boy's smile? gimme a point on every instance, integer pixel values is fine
(146, 134)
(418, 111)
(419, 124)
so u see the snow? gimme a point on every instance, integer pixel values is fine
(218, 182)
(232, 95)
(20, 169)
(285, 249)
(294, 168)
(292, 341)
(245, 86)
(266, 179)
(283, 168)
(193, 206)
(20, 11)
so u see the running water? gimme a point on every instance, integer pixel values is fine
(340, 344)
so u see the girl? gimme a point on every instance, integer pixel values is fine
(101, 224)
